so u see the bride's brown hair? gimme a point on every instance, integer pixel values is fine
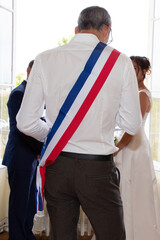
(143, 63)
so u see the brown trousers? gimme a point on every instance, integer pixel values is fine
(92, 184)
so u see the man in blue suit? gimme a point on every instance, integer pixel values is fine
(20, 157)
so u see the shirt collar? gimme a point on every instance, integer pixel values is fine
(85, 37)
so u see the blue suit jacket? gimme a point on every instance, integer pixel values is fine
(21, 150)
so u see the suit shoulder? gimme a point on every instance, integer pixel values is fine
(19, 89)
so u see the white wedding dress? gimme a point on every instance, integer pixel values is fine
(138, 188)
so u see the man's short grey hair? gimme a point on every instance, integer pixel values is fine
(93, 17)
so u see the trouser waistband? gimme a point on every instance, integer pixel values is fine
(87, 156)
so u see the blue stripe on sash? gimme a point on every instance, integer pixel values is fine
(74, 91)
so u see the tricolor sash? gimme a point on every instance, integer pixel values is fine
(74, 109)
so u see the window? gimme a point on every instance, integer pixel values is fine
(6, 3)
(4, 121)
(155, 80)
(5, 46)
(6, 69)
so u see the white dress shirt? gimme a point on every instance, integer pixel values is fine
(54, 73)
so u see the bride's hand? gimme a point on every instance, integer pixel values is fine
(115, 154)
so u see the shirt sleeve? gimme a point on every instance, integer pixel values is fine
(32, 107)
(129, 115)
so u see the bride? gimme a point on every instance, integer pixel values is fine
(138, 182)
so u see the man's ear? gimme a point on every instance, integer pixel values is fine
(76, 30)
(28, 71)
(107, 29)
(105, 33)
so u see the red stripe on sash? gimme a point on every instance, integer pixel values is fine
(42, 173)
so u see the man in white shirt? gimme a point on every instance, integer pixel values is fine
(84, 172)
